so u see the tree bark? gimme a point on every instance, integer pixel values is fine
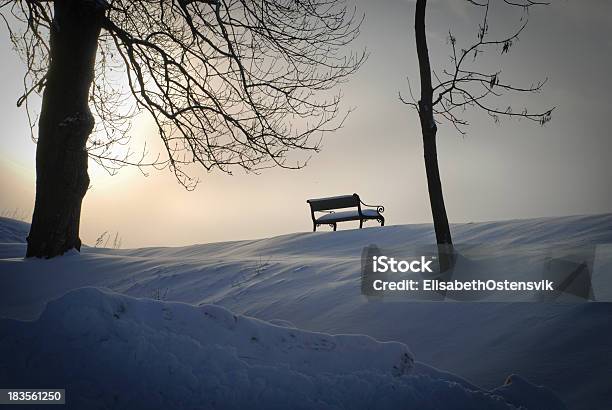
(63, 129)
(429, 131)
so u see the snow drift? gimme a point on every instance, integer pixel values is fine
(312, 281)
(13, 231)
(113, 351)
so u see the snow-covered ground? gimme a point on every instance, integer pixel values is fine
(116, 352)
(311, 281)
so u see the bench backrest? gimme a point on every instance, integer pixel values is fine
(334, 202)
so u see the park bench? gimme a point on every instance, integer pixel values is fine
(328, 207)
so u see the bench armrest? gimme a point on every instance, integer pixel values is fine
(379, 208)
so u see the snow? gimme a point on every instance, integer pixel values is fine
(310, 281)
(540, 397)
(13, 231)
(347, 214)
(114, 351)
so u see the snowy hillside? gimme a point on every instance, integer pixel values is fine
(12, 231)
(113, 351)
(312, 281)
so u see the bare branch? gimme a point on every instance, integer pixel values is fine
(228, 83)
(464, 85)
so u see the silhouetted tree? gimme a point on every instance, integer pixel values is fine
(464, 85)
(228, 83)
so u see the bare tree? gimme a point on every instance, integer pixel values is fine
(463, 86)
(229, 84)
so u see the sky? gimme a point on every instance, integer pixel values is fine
(495, 172)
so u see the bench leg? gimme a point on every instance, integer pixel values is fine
(314, 227)
(382, 221)
(360, 223)
(335, 226)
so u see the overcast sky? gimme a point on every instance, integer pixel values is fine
(512, 170)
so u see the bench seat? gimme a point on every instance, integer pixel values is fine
(348, 216)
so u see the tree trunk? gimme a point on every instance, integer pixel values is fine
(64, 127)
(429, 131)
